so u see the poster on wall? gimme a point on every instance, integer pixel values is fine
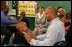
(27, 6)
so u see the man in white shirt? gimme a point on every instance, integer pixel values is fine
(55, 31)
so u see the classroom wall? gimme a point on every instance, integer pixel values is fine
(65, 4)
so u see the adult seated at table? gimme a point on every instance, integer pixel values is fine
(5, 22)
(23, 29)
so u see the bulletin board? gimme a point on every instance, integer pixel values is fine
(27, 6)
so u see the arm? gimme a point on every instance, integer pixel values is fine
(36, 20)
(46, 23)
(32, 34)
(49, 40)
(41, 37)
(6, 20)
(13, 20)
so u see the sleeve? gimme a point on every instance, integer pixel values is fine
(46, 23)
(44, 26)
(49, 40)
(41, 37)
(36, 20)
(13, 20)
(6, 20)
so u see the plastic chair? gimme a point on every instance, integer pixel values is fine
(60, 43)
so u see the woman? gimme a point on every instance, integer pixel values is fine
(67, 21)
(40, 21)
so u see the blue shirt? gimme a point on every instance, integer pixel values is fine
(5, 20)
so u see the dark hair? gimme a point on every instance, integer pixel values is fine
(59, 7)
(3, 7)
(40, 6)
(68, 15)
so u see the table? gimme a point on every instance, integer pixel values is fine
(12, 25)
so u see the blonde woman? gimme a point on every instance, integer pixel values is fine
(40, 21)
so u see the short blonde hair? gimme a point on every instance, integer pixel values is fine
(20, 25)
(40, 6)
(53, 9)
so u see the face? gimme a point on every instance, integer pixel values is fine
(6, 10)
(61, 11)
(22, 27)
(41, 10)
(48, 15)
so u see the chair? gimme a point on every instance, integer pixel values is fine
(2, 36)
(60, 43)
(13, 45)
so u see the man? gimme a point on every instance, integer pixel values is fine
(64, 17)
(55, 31)
(5, 22)
(61, 12)
(5, 19)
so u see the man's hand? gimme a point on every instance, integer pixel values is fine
(27, 37)
(32, 34)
